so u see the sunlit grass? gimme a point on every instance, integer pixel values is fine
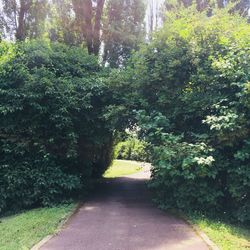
(226, 236)
(25, 229)
(121, 168)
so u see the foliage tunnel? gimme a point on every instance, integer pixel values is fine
(188, 92)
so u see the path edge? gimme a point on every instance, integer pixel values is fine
(60, 226)
(199, 232)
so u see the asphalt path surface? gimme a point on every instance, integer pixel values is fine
(121, 216)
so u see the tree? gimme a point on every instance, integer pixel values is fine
(123, 30)
(154, 16)
(54, 137)
(76, 22)
(189, 88)
(62, 26)
(241, 6)
(23, 18)
(88, 16)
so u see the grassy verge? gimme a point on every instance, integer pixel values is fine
(224, 235)
(23, 230)
(121, 168)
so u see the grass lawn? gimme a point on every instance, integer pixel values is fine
(121, 167)
(25, 229)
(225, 236)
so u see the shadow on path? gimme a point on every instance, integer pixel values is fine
(121, 216)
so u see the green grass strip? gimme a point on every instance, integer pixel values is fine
(226, 236)
(23, 230)
(121, 168)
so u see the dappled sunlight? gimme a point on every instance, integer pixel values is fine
(122, 168)
(89, 208)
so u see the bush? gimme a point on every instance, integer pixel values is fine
(192, 101)
(53, 134)
(188, 167)
(131, 149)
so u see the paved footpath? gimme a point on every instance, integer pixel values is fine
(121, 216)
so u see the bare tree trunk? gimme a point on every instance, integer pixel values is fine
(25, 6)
(151, 17)
(220, 4)
(201, 4)
(89, 18)
(97, 27)
(88, 27)
(79, 20)
(20, 32)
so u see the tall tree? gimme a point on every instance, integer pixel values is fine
(240, 6)
(2, 25)
(21, 13)
(62, 24)
(243, 7)
(119, 24)
(35, 20)
(22, 18)
(154, 16)
(88, 15)
(123, 30)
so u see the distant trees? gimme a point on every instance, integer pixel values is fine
(241, 6)
(118, 24)
(123, 30)
(155, 15)
(88, 16)
(23, 18)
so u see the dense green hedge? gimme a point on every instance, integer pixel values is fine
(131, 149)
(190, 88)
(53, 134)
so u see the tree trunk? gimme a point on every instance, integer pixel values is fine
(97, 27)
(89, 21)
(201, 4)
(25, 6)
(220, 4)
(88, 27)
(20, 32)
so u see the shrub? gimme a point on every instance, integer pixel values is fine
(53, 134)
(184, 175)
(131, 149)
(191, 93)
